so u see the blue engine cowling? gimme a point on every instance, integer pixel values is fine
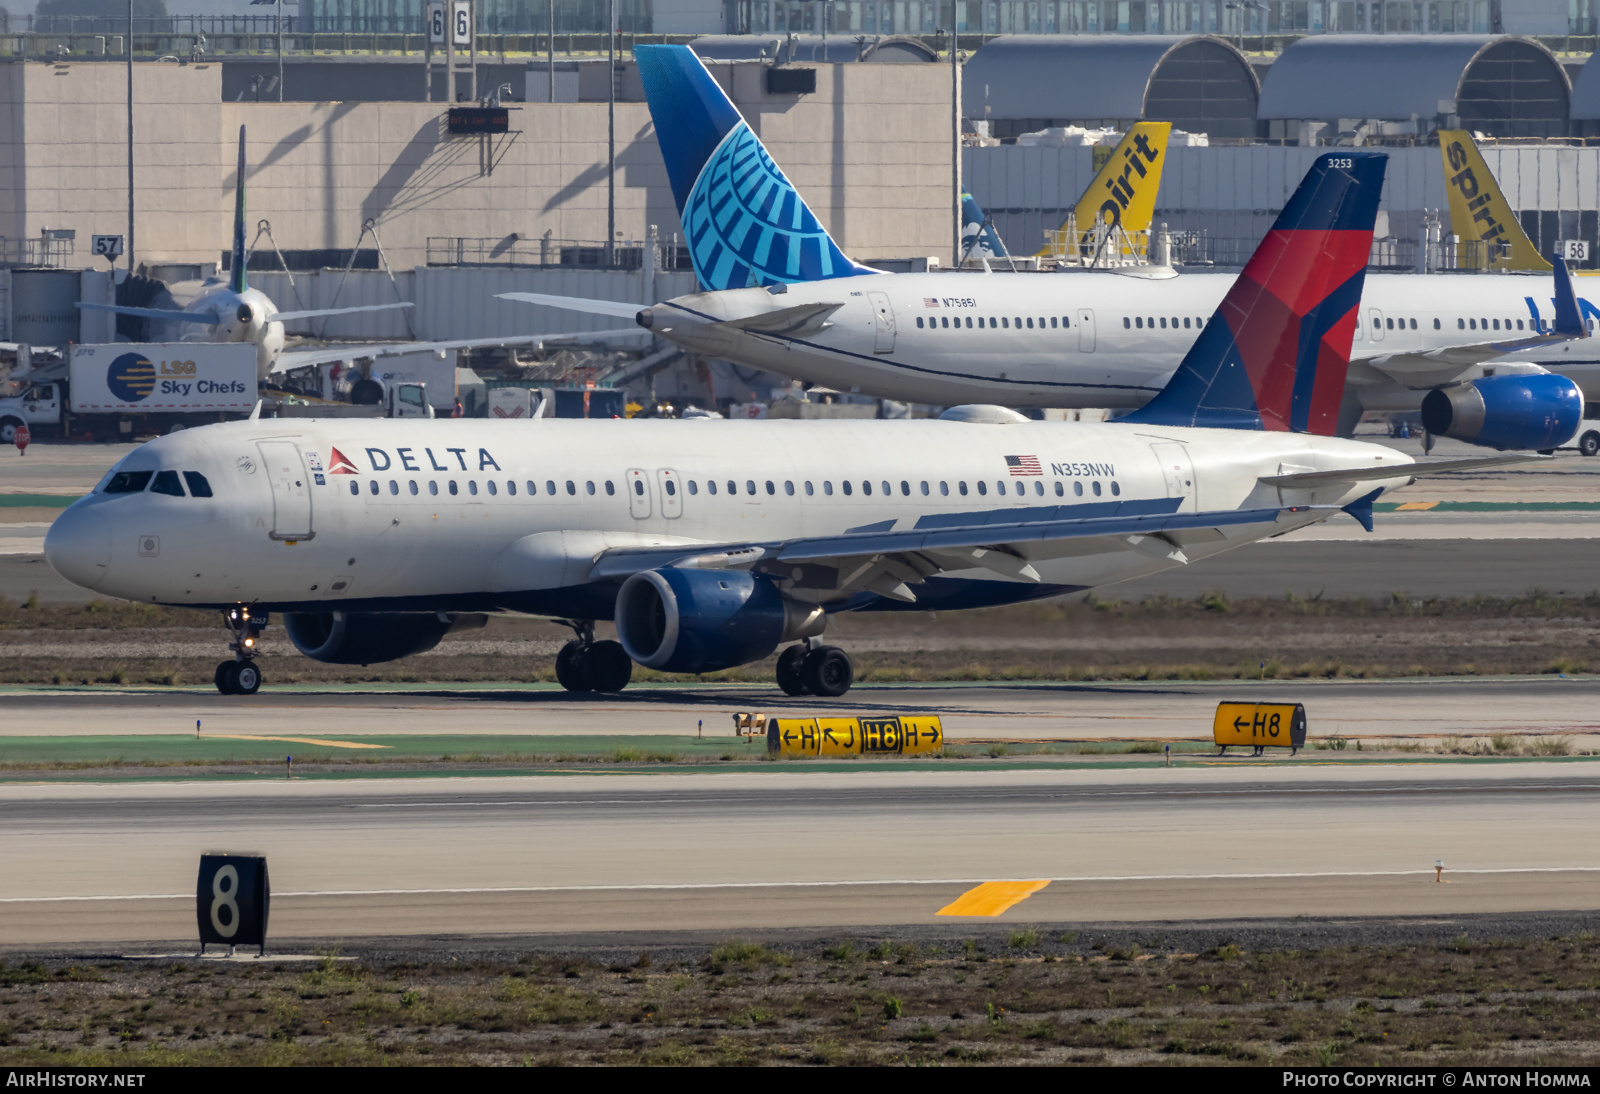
(369, 638)
(1537, 412)
(687, 620)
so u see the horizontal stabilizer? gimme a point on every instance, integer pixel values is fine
(304, 358)
(205, 319)
(619, 308)
(798, 320)
(317, 313)
(1398, 470)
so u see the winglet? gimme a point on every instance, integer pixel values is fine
(1568, 321)
(255, 412)
(236, 278)
(1275, 352)
(1361, 509)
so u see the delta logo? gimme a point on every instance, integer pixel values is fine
(339, 464)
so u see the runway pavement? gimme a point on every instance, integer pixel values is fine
(1379, 710)
(97, 864)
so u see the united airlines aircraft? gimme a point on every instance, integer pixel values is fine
(783, 297)
(712, 544)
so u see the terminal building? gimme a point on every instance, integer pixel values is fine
(356, 175)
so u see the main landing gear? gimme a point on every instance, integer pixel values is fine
(815, 669)
(241, 676)
(586, 665)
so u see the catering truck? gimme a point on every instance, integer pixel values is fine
(123, 390)
(126, 390)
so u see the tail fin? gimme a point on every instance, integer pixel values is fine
(236, 278)
(745, 223)
(1123, 191)
(1275, 353)
(978, 237)
(1479, 213)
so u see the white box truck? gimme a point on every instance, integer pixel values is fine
(122, 390)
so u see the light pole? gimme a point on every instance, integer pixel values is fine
(611, 135)
(130, 136)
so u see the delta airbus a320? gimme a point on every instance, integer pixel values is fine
(711, 544)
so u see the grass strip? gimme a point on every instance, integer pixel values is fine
(1036, 994)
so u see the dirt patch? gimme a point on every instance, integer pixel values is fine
(1032, 997)
(1076, 638)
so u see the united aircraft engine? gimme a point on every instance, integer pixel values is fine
(1520, 412)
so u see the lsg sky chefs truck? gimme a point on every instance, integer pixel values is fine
(123, 390)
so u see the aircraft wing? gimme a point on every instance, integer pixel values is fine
(302, 358)
(205, 319)
(888, 561)
(317, 313)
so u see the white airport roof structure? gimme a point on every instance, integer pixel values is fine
(811, 48)
(1501, 85)
(1024, 82)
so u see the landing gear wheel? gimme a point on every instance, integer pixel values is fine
(570, 669)
(224, 677)
(791, 670)
(246, 678)
(1589, 443)
(607, 666)
(828, 671)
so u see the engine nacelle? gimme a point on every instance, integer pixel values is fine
(1536, 412)
(687, 620)
(366, 638)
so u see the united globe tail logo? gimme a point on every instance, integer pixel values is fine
(131, 377)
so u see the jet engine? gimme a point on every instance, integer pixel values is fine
(1537, 412)
(365, 638)
(687, 620)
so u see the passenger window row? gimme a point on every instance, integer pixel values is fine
(1142, 322)
(1004, 322)
(884, 487)
(158, 482)
(493, 488)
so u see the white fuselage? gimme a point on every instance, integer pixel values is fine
(257, 326)
(1080, 339)
(323, 515)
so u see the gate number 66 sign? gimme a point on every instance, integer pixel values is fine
(232, 898)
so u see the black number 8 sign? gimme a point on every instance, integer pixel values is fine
(232, 898)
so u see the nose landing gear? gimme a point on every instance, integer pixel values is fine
(241, 676)
(586, 665)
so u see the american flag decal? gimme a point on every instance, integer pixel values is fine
(1024, 465)
(930, 302)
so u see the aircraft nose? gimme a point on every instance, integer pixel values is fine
(78, 546)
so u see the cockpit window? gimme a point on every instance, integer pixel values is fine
(167, 483)
(198, 486)
(128, 482)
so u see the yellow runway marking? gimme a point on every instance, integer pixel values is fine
(992, 897)
(1415, 505)
(291, 740)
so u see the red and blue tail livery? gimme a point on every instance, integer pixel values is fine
(1275, 353)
